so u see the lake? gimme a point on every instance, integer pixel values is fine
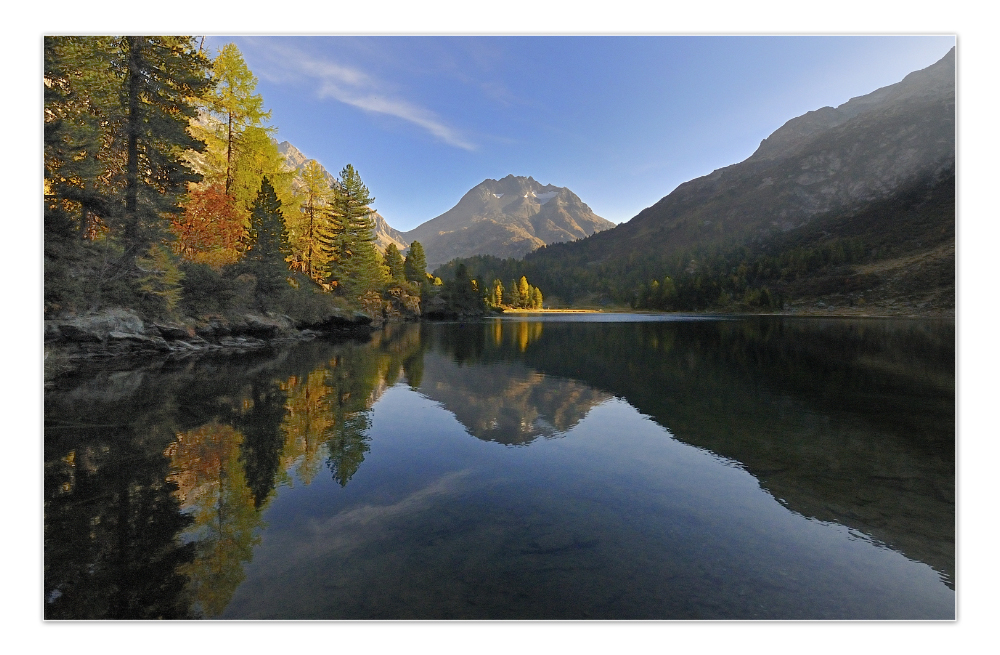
(587, 466)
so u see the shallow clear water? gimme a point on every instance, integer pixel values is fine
(574, 467)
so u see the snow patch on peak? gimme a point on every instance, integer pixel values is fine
(498, 195)
(545, 197)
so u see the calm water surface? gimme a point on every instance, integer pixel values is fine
(588, 466)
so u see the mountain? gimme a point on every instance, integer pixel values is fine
(826, 160)
(507, 403)
(506, 218)
(384, 233)
(877, 170)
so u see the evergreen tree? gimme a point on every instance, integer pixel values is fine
(347, 243)
(160, 75)
(462, 293)
(116, 113)
(263, 440)
(415, 266)
(81, 102)
(514, 297)
(394, 262)
(267, 242)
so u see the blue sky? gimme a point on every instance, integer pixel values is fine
(619, 120)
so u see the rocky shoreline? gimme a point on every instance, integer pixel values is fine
(117, 332)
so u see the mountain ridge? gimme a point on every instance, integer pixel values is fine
(871, 159)
(822, 161)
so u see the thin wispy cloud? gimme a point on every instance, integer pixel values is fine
(355, 88)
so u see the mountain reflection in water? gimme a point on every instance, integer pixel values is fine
(337, 480)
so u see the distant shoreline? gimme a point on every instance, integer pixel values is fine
(553, 311)
(811, 312)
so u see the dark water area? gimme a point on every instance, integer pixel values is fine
(569, 467)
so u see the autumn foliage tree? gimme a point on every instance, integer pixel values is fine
(239, 154)
(210, 229)
(236, 105)
(315, 213)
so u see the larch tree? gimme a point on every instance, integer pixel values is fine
(317, 194)
(240, 149)
(234, 102)
(536, 297)
(497, 299)
(523, 297)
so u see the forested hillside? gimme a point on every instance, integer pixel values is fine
(850, 207)
(166, 194)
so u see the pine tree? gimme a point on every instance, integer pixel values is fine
(415, 266)
(462, 293)
(116, 113)
(394, 262)
(267, 242)
(514, 298)
(81, 103)
(347, 243)
(536, 298)
(160, 75)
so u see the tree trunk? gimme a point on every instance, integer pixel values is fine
(132, 145)
(309, 256)
(132, 129)
(229, 155)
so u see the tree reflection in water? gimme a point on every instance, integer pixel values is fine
(158, 515)
(156, 518)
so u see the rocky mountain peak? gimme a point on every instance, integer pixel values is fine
(508, 217)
